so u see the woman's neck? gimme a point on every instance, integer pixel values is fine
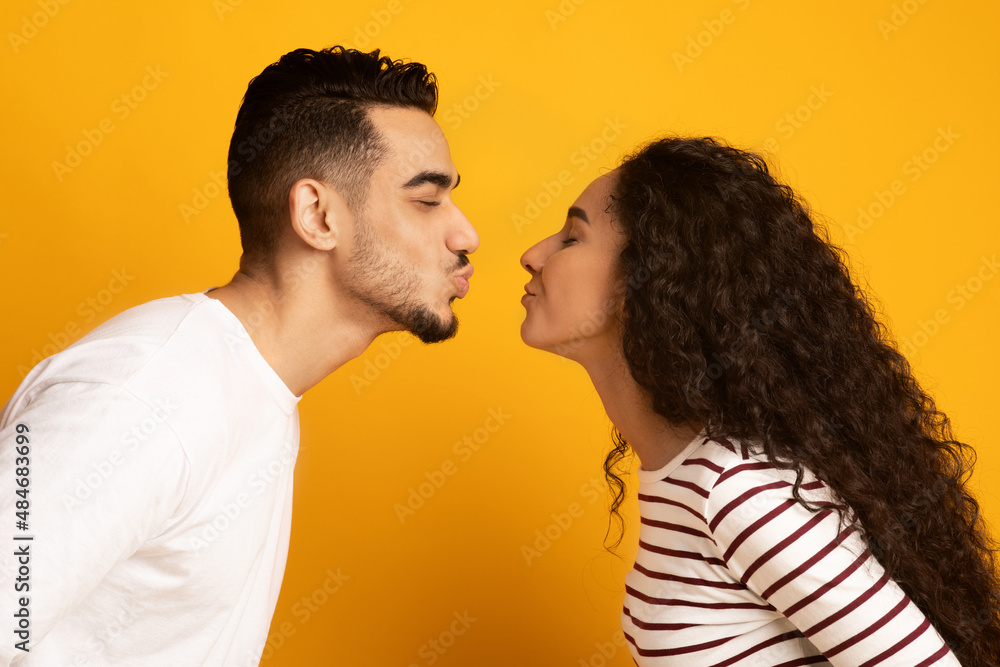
(654, 440)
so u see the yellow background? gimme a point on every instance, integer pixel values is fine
(868, 84)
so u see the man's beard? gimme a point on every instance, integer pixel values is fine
(390, 286)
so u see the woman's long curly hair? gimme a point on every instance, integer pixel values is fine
(739, 316)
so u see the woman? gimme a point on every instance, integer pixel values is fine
(802, 501)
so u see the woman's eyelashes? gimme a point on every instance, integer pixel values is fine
(570, 239)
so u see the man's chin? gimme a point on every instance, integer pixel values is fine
(429, 328)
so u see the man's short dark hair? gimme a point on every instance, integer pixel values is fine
(306, 116)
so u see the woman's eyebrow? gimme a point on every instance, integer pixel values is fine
(577, 212)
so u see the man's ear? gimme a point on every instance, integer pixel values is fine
(319, 213)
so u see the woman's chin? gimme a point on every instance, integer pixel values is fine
(527, 336)
(531, 338)
(560, 349)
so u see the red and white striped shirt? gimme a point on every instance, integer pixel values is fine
(732, 571)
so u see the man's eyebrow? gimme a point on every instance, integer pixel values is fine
(577, 212)
(438, 178)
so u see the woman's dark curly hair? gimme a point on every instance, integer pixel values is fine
(740, 317)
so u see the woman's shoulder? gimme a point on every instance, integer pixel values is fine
(728, 469)
(725, 477)
(731, 457)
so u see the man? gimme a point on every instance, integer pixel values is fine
(153, 459)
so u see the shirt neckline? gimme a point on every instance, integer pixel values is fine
(649, 476)
(286, 399)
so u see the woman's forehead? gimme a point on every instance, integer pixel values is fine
(597, 195)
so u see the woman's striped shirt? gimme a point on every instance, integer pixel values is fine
(732, 571)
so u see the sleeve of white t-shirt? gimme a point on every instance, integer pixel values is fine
(834, 591)
(106, 473)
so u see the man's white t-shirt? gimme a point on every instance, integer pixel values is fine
(162, 446)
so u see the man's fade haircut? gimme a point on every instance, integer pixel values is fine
(306, 116)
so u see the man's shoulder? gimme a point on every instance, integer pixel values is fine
(165, 336)
(151, 322)
(181, 361)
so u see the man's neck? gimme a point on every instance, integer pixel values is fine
(302, 331)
